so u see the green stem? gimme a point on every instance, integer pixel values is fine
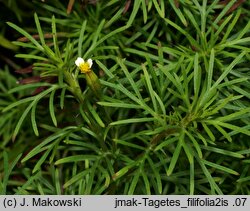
(75, 89)
(74, 86)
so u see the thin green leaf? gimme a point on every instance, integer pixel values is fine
(132, 120)
(144, 11)
(39, 29)
(76, 178)
(243, 31)
(105, 69)
(176, 155)
(223, 132)
(160, 10)
(210, 70)
(62, 97)
(231, 26)
(51, 107)
(228, 69)
(27, 35)
(230, 126)
(179, 13)
(150, 88)
(192, 41)
(42, 159)
(217, 36)
(7, 170)
(147, 183)
(90, 180)
(114, 18)
(224, 11)
(28, 86)
(29, 56)
(18, 103)
(222, 151)
(57, 180)
(192, 179)
(210, 179)
(54, 34)
(120, 105)
(125, 143)
(39, 148)
(95, 38)
(20, 121)
(95, 115)
(188, 153)
(208, 131)
(136, 7)
(122, 171)
(129, 77)
(166, 142)
(197, 76)
(81, 38)
(222, 168)
(76, 158)
(134, 183)
(156, 175)
(33, 119)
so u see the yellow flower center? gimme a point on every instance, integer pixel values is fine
(84, 67)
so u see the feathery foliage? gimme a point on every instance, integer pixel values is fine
(173, 113)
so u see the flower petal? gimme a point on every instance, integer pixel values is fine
(90, 62)
(79, 61)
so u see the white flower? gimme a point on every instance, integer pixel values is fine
(84, 66)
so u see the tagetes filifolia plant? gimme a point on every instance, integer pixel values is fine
(139, 97)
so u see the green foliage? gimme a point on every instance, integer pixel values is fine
(173, 114)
